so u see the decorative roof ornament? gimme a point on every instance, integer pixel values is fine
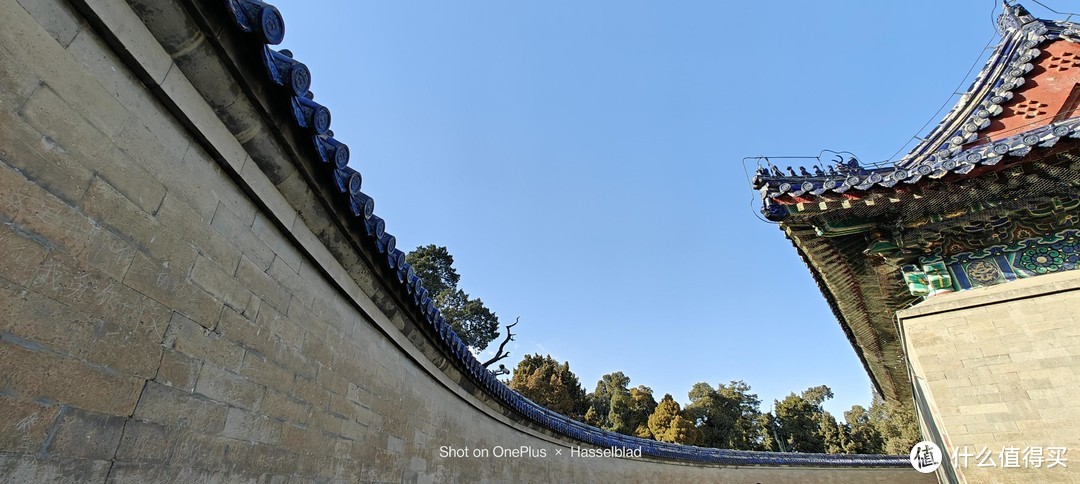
(1013, 17)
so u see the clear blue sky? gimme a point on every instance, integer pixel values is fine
(581, 161)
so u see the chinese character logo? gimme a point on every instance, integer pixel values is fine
(926, 457)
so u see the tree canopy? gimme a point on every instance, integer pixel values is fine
(473, 322)
(550, 383)
(613, 406)
(668, 424)
(727, 416)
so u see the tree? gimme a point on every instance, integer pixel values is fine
(547, 382)
(608, 387)
(833, 435)
(642, 404)
(435, 267)
(501, 353)
(728, 416)
(613, 406)
(619, 413)
(667, 424)
(473, 322)
(802, 425)
(862, 436)
(682, 431)
(897, 424)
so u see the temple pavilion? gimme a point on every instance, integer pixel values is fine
(990, 196)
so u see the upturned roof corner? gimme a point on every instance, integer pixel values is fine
(973, 135)
(997, 176)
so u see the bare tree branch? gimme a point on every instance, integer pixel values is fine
(501, 354)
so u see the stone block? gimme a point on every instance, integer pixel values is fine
(62, 131)
(25, 424)
(16, 84)
(55, 17)
(285, 408)
(294, 360)
(146, 442)
(178, 370)
(307, 320)
(20, 255)
(169, 286)
(102, 64)
(222, 285)
(263, 286)
(251, 427)
(340, 407)
(191, 338)
(53, 221)
(308, 391)
(218, 384)
(271, 460)
(180, 410)
(329, 379)
(111, 208)
(317, 466)
(30, 371)
(246, 333)
(261, 370)
(86, 434)
(181, 219)
(329, 424)
(155, 138)
(201, 451)
(63, 279)
(238, 231)
(33, 317)
(265, 230)
(33, 47)
(40, 157)
(301, 437)
(20, 468)
(980, 363)
(128, 176)
(281, 326)
(318, 350)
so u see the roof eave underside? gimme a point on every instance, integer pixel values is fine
(858, 297)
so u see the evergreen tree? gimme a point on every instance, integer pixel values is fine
(803, 425)
(863, 436)
(682, 431)
(591, 418)
(833, 435)
(660, 420)
(619, 413)
(609, 386)
(473, 322)
(668, 425)
(547, 382)
(728, 416)
(642, 404)
(897, 424)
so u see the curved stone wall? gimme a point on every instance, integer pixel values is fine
(187, 292)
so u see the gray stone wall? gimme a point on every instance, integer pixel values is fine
(1000, 368)
(167, 316)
